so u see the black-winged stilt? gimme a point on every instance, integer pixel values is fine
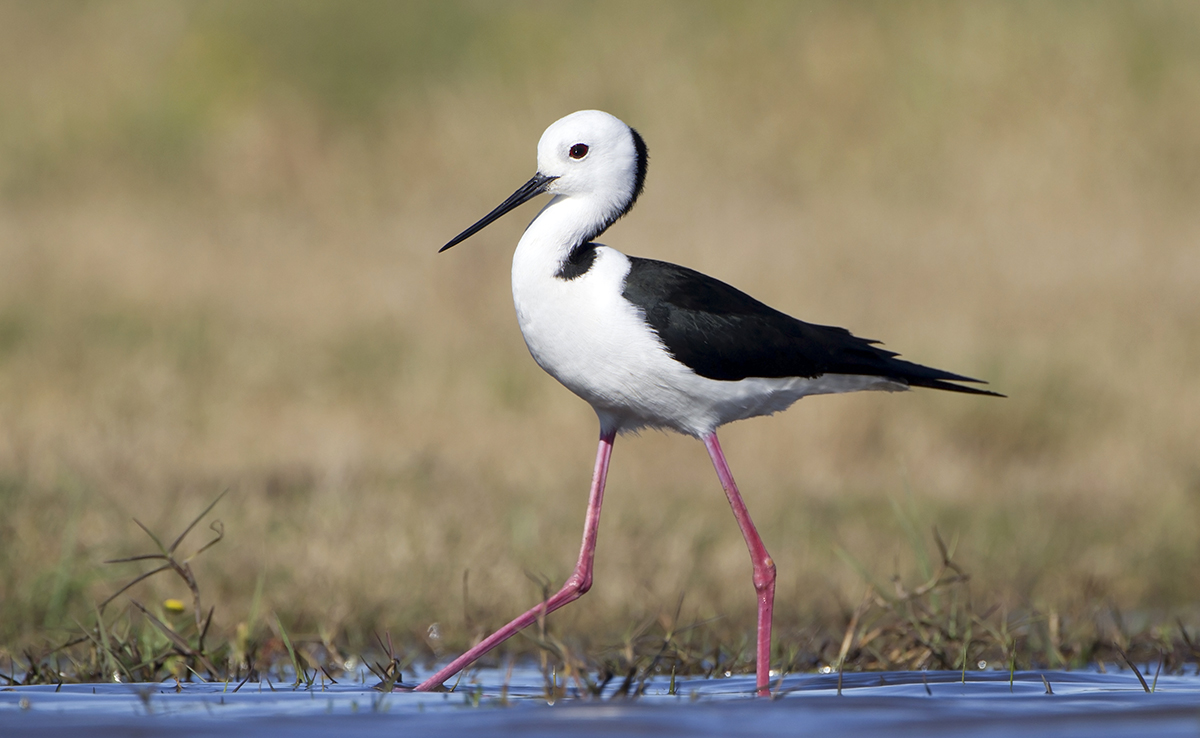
(651, 344)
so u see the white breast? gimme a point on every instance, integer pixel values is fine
(594, 341)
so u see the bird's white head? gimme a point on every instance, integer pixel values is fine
(594, 154)
(588, 154)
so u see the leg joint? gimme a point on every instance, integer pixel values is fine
(764, 574)
(578, 584)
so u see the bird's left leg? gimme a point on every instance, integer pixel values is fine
(574, 588)
(764, 567)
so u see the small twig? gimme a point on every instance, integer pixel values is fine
(176, 639)
(191, 525)
(1136, 673)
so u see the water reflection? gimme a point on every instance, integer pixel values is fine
(500, 702)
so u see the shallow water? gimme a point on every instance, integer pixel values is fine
(892, 703)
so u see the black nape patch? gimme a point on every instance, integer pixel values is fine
(643, 161)
(578, 262)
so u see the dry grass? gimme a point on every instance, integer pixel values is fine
(933, 623)
(217, 270)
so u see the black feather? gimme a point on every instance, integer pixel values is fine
(722, 333)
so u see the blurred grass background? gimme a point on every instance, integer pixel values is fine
(218, 226)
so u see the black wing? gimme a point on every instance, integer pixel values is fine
(722, 333)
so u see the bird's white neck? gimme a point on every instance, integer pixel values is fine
(565, 222)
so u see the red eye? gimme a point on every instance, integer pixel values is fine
(578, 151)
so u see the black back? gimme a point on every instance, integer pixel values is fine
(722, 333)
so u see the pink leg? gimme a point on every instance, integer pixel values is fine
(576, 585)
(764, 568)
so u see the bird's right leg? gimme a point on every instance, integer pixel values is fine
(578, 583)
(764, 567)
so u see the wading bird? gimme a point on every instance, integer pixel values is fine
(654, 345)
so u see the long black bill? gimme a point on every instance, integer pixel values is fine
(527, 192)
